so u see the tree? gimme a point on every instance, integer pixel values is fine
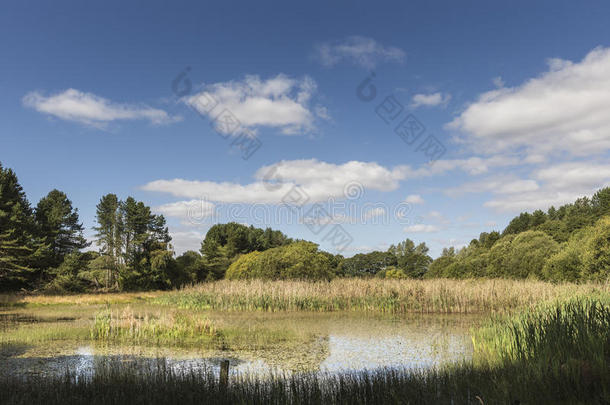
(21, 249)
(70, 275)
(596, 254)
(298, 260)
(109, 231)
(137, 242)
(191, 267)
(224, 242)
(439, 267)
(367, 264)
(412, 260)
(566, 264)
(59, 226)
(522, 256)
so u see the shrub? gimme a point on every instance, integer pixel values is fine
(299, 260)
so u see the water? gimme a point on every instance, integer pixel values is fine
(339, 342)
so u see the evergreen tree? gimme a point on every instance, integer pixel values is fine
(20, 247)
(59, 227)
(109, 231)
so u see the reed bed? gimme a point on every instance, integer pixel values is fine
(559, 335)
(33, 300)
(391, 296)
(167, 328)
(556, 353)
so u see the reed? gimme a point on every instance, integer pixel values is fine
(391, 296)
(555, 353)
(167, 328)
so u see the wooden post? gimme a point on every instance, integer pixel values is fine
(224, 373)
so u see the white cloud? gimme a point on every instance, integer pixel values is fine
(362, 51)
(186, 240)
(430, 100)
(414, 199)
(421, 228)
(473, 166)
(559, 184)
(318, 180)
(563, 110)
(498, 185)
(89, 109)
(273, 182)
(280, 102)
(193, 212)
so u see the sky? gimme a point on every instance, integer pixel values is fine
(352, 124)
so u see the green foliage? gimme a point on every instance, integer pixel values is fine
(190, 268)
(21, 248)
(59, 227)
(224, 242)
(596, 252)
(566, 264)
(367, 264)
(71, 274)
(298, 260)
(395, 273)
(412, 260)
(137, 243)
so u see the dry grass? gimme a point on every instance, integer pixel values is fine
(395, 296)
(80, 299)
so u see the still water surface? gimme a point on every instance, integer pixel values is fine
(341, 342)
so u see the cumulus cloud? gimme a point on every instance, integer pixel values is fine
(559, 184)
(473, 165)
(498, 185)
(430, 100)
(318, 180)
(565, 109)
(89, 109)
(361, 51)
(186, 240)
(280, 102)
(192, 212)
(273, 182)
(414, 199)
(421, 228)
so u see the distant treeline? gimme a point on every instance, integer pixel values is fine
(41, 248)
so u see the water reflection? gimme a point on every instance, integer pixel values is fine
(339, 342)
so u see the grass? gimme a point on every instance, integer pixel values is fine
(387, 296)
(545, 343)
(553, 354)
(169, 327)
(36, 300)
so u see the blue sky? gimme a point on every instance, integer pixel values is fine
(515, 95)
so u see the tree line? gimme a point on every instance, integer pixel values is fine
(43, 248)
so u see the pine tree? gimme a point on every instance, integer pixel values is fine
(109, 232)
(59, 226)
(20, 247)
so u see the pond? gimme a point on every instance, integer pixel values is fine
(54, 340)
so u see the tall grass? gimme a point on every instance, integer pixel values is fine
(35, 300)
(559, 336)
(392, 296)
(529, 363)
(168, 328)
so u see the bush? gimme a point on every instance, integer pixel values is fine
(395, 273)
(596, 255)
(299, 260)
